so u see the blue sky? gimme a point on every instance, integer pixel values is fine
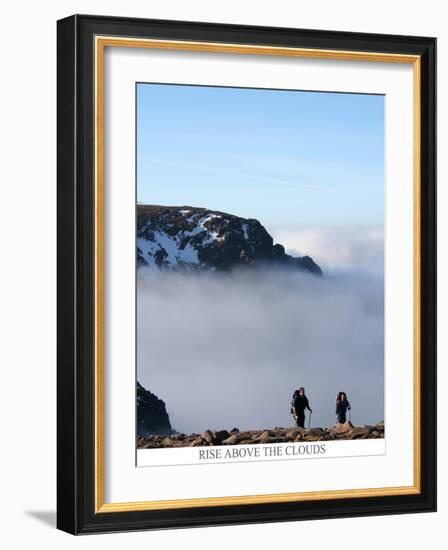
(283, 157)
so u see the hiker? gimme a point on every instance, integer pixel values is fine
(299, 404)
(342, 405)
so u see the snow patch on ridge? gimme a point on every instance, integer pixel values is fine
(166, 250)
(174, 253)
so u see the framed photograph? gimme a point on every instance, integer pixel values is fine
(246, 274)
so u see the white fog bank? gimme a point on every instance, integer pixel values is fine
(228, 350)
(336, 248)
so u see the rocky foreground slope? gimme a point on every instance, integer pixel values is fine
(198, 239)
(278, 435)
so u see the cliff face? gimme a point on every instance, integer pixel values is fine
(152, 418)
(173, 238)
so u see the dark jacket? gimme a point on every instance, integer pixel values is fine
(300, 402)
(341, 407)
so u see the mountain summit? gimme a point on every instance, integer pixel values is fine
(191, 238)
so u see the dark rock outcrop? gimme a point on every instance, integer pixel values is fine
(152, 418)
(185, 237)
(252, 437)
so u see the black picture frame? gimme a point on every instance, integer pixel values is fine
(76, 472)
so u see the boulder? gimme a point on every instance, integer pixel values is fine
(220, 436)
(358, 433)
(316, 432)
(343, 428)
(264, 436)
(292, 433)
(232, 440)
(196, 442)
(208, 436)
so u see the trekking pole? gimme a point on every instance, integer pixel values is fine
(309, 420)
(350, 416)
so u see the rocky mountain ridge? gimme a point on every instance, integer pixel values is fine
(199, 239)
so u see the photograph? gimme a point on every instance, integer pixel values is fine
(259, 266)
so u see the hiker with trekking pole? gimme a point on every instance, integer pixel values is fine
(342, 406)
(298, 405)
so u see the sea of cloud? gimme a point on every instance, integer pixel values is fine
(228, 350)
(336, 248)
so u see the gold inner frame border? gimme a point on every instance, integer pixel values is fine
(100, 43)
